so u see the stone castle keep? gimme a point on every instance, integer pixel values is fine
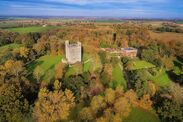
(73, 52)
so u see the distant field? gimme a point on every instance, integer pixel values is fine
(10, 46)
(8, 25)
(179, 22)
(47, 63)
(138, 64)
(141, 115)
(118, 77)
(32, 29)
(167, 36)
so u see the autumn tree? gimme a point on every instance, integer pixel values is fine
(113, 105)
(53, 105)
(13, 106)
(103, 57)
(170, 111)
(59, 71)
(14, 68)
(38, 73)
(24, 52)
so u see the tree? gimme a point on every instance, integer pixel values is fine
(53, 105)
(170, 111)
(14, 68)
(13, 106)
(103, 57)
(59, 71)
(110, 107)
(24, 52)
(38, 73)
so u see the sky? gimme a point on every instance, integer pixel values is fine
(100, 8)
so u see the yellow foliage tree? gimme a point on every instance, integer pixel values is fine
(114, 105)
(24, 52)
(145, 102)
(8, 64)
(109, 96)
(53, 106)
(58, 71)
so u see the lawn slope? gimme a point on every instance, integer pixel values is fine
(47, 63)
(141, 115)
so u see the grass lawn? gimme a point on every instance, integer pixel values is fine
(47, 63)
(9, 46)
(118, 76)
(87, 63)
(91, 62)
(141, 115)
(32, 29)
(139, 64)
(161, 79)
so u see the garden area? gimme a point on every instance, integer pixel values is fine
(139, 64)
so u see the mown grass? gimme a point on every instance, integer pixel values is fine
(87, 63)
(32, 29)
(10, 46)
(162, 78)
(141, 115)
(47, 63)
(139, 64)
(118, 77)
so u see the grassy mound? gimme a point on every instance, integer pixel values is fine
(141, 115)
(47, 63)
(32, 29)
(139, 64)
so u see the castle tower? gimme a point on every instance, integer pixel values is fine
(73, 52)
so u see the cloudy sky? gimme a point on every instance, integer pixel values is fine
(102, 8)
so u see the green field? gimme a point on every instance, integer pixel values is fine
(141, 115)
(118, 76)
(10, 46)
(139, 64)
(8, 25)
(47, 63)
(179, 22)
(32, 29)
(161, 79)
